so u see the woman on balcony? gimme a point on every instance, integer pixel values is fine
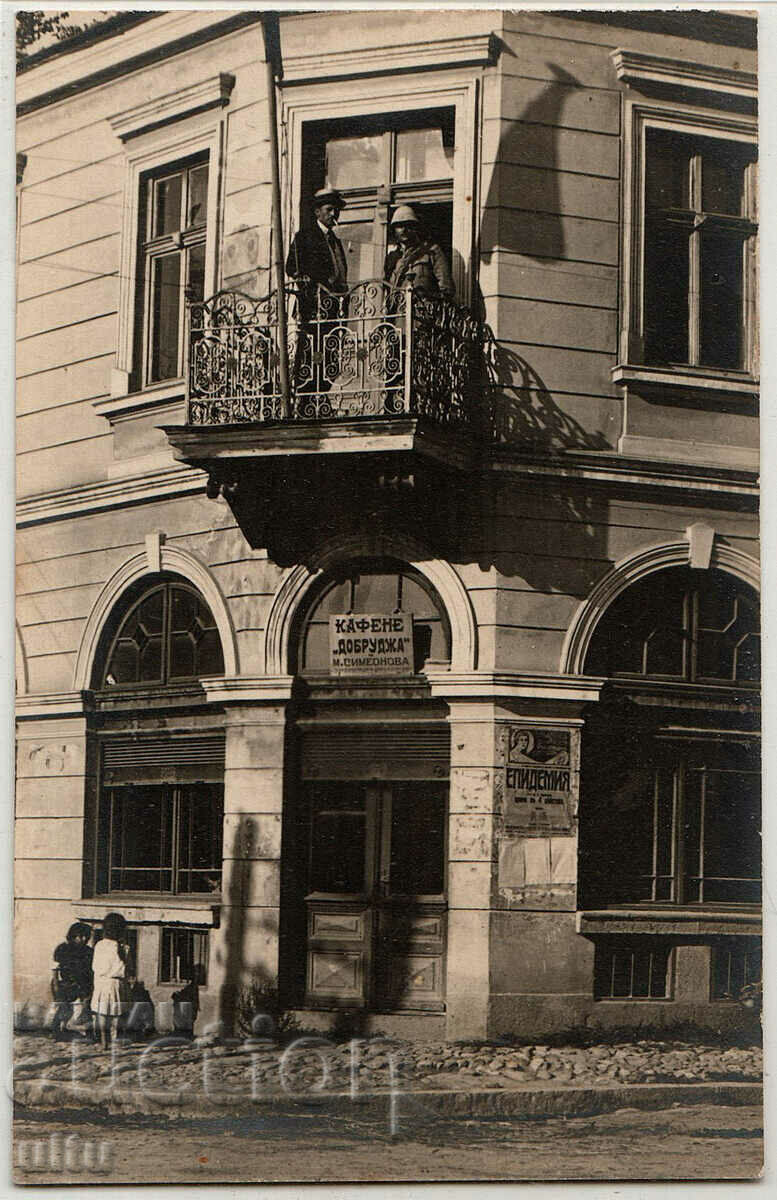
(417, 259)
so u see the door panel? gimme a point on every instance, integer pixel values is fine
(375, 903)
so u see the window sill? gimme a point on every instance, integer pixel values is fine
(744, 920)
(123, 404)
(148, 909)
(724, 383)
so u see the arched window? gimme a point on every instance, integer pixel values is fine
(670, 800)
(382, 590)
(680, 624)
(159, 807)
(169, 634)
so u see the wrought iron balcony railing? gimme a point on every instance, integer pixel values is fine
(375, 351)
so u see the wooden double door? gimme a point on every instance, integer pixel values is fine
(375, 902)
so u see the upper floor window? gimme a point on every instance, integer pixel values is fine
(168, 634)
(378, 162)
(698, 240)
(171, 267)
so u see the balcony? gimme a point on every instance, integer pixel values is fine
(385, 395)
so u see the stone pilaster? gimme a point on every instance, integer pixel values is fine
(51, 779)
(245, 949)
(471, 867)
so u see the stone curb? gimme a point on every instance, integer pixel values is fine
(515, 1102)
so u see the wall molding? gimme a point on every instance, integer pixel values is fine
(473, 50)
(649, 70)
(636, 566)
(170, 558)
(160, 110)
(171, 481)
(300, 579)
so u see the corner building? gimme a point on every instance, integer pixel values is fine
(429, 690)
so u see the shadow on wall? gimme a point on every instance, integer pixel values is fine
(522, 412)
(531, 224)
(243, 994)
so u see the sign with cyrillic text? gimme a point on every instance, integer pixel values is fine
(371, 644)
(538, 779)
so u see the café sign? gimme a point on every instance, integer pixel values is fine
(371, 644)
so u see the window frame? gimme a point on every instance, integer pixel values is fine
(152, 248)
(167, 586)
(105, 866)
(690, 121)
(343, 99)
(196, 931)
(146, 154)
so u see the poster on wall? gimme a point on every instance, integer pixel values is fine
(538, 780)
(371, 644)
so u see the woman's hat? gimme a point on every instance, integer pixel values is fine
(404, 215)
(328, 196)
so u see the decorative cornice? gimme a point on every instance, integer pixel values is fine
(247, 689)
(161, 110)
(112, 493)
(51, 704)
(509, 685)
(477, 50)
(166, 34)
(646, 70)
(608, 466)
(132, 404)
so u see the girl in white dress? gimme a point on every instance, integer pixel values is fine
(109, 968)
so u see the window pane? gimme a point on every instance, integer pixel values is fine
(338, 841)
(166, 297)
(167, 205)
(195, 274)
(666, 170)
(355, 162)
(198, 195)
(151, 661)
(182, 651)
(723, 178)
(376, 593)
(666, 293)
(200, 839)
(422, 155)
(357, 238)
(124, 666)
(210, 660)
(721, 300)
(732, 841)
(141, 846)
(417, 840)
(150, 613)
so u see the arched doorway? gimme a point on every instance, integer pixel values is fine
(366, 876)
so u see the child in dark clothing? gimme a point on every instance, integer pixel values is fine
(71, 980)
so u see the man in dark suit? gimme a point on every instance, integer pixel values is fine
(317, 261)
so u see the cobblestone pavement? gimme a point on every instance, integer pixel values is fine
(315, 1064)
(694, 1143)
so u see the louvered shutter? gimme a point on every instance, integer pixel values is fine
(375, 752)
(163, 759)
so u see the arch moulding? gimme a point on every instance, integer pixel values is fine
(630, 570)
(300, 579)
(166, 558)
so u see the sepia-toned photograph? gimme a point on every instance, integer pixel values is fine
(387, 788)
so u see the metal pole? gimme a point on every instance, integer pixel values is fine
(271, 34)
